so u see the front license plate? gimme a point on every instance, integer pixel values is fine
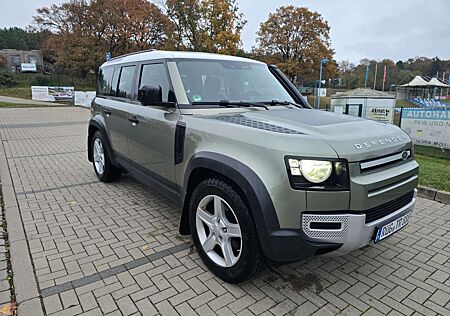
(392, 227)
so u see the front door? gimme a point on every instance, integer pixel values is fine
(151, 140)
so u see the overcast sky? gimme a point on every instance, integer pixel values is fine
(395, 29)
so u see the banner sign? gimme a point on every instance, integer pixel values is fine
(84, 98)
(43, 93)
(428, 127)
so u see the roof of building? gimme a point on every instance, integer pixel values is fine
(159, 54)
(437, 83)
(363, 93)
(418, 81)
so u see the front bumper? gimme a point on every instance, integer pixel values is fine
(288, 245)
(353, 233)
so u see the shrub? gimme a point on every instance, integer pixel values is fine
(6, 78)
(41, 80)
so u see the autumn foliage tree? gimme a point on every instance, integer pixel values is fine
(82, 31)
(296, 39)
(206, 25)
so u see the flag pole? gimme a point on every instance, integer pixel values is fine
(375, 79)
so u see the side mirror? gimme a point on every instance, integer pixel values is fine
(150, 95)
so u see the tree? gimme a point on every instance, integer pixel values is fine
(82, 31)
(205, 25)
(296, 39)
(17, 38)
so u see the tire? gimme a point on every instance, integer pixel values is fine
(101, 161)
(212, 233)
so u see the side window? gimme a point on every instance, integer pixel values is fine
(155, 75)
(105, 78)
(125, 88)
(114, 82)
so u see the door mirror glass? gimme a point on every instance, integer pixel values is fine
(150, 95)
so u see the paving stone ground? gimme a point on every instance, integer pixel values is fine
(113, 248)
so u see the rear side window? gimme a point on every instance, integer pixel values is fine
(105, 78)
(126, 82)
(155, 75)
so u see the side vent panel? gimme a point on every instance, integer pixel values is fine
(180, 133)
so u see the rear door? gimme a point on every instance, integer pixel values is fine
(151, 140)
(117, 94)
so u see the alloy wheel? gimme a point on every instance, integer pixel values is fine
(99, 156)
(218, 231)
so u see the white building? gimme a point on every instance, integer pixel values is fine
(366, 103)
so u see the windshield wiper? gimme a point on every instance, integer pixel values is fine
(233, 104)
(276, 102)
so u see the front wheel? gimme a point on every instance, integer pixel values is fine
(223, 231)
(101, 161)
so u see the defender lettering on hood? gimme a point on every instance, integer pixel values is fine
(379, 142)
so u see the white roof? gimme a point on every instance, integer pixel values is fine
(418, 81)
(160, 54)
(437, 83)
(363, 93)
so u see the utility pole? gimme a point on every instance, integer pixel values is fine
(375, 79)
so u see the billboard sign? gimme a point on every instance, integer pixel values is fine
(44, 93)
(428, 127)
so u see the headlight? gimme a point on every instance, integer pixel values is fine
(327, 174)
(316, 171)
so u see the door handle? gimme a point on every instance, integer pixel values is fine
(133, 119)
(107, 111)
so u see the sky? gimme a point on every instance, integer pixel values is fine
(374, 29)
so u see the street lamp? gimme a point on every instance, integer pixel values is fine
(323, 61)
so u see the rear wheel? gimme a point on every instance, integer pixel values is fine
(101, 161)
(223, 231)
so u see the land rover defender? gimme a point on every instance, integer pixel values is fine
(259, 175)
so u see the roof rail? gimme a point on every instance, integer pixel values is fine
(133, 53)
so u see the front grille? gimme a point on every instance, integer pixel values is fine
(385, 209)
(385, 161)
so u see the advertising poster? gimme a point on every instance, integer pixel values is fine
(44, 93)
(39, 93)
(84, 98)
(60, 93)
(428, 127)
(380, 114)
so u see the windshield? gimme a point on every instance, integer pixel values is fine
(217, 80)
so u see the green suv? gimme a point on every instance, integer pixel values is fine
(259, 175)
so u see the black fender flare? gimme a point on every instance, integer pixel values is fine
(256, 194)
(98, 124)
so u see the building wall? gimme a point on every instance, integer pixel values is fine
(15, 57)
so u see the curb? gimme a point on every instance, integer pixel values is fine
(28, 299)
(434, 194)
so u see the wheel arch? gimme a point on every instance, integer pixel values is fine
(95, 124)
(207, 164)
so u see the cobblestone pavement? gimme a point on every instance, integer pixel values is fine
(113, 248)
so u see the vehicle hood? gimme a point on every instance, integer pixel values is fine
(352, 138)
